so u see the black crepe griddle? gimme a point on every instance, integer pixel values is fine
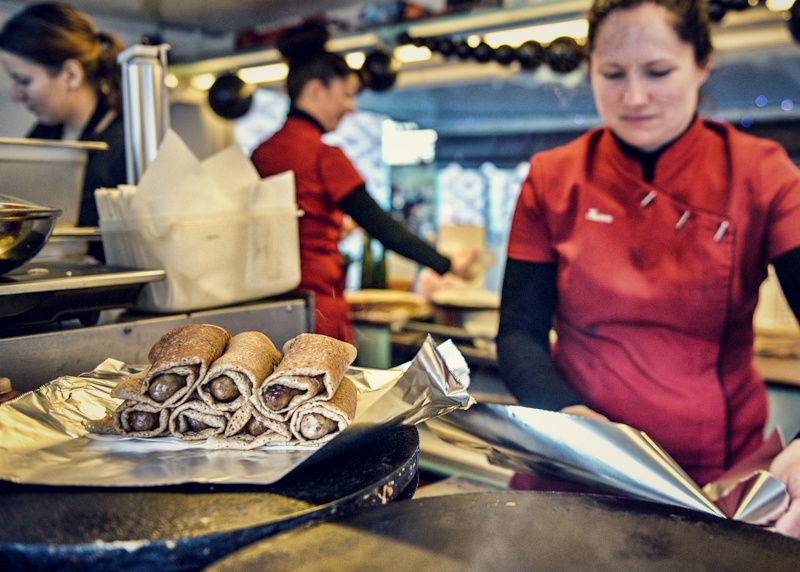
(188, 526)
(522, 530)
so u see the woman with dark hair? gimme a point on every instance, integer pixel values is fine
(643, 244)
(322, 89)
(66, 73)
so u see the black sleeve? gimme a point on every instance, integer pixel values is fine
(379, 224)
(523, 341)
(787, 268)
(40, 131)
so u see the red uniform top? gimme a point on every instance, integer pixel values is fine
(323, 177)
(657, 282)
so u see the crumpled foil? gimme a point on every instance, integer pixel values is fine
(612, 457)
(43, 440)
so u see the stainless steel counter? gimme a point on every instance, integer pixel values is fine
(34, 359)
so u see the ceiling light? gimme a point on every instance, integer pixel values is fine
(264, 74)
(347, 43)
(410, 53)
(355, 59)
(779, 5)
(171, 80)
(542, 33)
(203, 81)
(751, 39)
(503, 18)
(474, 41)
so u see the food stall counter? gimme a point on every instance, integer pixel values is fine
(30, 360)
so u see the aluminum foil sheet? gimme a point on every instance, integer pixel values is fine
(43, 440)
(612, 457)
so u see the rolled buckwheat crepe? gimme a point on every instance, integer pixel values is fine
(236, 375)
(180, 360)
(195, 420)
(317, 422)
(138, 419)
(248, 429)
(131, 389)
(312, 367)
(132, 419)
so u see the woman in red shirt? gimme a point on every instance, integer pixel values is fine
(322, 89)
(643, 244)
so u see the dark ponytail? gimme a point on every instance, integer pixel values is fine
(108, 77)
(303, 47)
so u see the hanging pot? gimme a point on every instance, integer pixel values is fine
(230, 97)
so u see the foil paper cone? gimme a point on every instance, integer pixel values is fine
(608, 456)
(747, 491)
(763, 500)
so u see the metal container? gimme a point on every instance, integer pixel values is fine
(47, 172)
(145, 105)
(24, 230)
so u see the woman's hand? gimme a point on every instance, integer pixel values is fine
(786, 467)
(583, 411)
(461, 263)
(348, 227)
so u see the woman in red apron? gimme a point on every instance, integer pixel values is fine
(322, 89)
(643, 245)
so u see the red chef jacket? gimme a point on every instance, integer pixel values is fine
(323, 177)
(657, 282)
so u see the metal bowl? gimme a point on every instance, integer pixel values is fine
(24, 229)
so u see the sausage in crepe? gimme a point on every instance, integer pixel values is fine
(131, 388)
(235, 376)
(195, 420)
(312, 367)
(180, 360)
(132, 419)
(248, 429)
(317, 422)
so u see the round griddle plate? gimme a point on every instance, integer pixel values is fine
(188, 526)
(517, 530)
